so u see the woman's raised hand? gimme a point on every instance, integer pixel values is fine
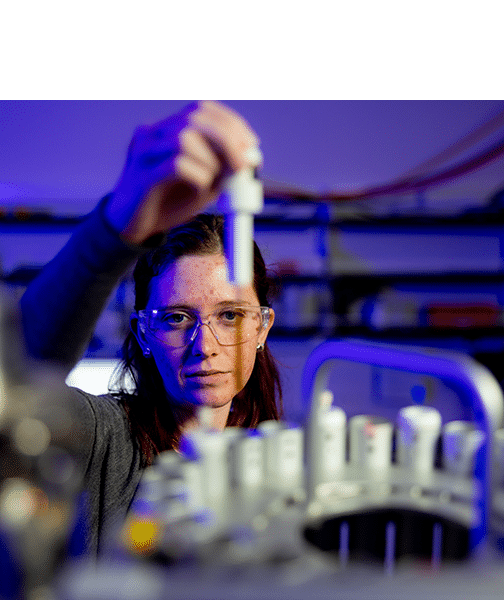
(174, 169)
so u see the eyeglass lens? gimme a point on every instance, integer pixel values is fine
(230, 326)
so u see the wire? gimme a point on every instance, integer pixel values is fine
(470, 139)
(417, 178)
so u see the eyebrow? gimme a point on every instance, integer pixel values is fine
(222, 304)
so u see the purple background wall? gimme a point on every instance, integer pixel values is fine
(73, 150)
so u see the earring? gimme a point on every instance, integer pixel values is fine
(147, 352)
(260, 347)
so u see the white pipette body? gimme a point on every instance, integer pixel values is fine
(241, 199)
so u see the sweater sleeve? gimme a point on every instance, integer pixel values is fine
(61, 306)
(112, 468)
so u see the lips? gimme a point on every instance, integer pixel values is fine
(205, 373)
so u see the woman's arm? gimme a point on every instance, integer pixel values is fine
(61, 306)
(173, 171)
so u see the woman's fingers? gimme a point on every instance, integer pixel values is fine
(195, 146)
(224, 114)
(228, 134)
(174, 168)
(209, 132)
(194, 172)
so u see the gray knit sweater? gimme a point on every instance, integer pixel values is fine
(59, 312)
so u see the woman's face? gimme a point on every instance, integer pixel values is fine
(203, 372)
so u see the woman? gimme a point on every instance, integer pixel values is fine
(222, 362)
(195, 339)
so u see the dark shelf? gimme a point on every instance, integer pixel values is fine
(319, 218)
(469, 219)
(288, 333)
(385, 278)
(399, 334)
(282, 222)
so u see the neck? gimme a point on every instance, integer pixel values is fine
(219, 416)
(213, 417)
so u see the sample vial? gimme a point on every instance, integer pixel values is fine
(419, 428)
(370, 442)
(461, 441)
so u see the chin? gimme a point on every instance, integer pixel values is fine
(208, 398)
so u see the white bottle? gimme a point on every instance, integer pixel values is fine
(248, 461)
(419, 428)
(370, 442)
(461, 442)
(325, 442)
(209, 449)
(283, 454)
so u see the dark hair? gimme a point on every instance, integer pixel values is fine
(153, 417)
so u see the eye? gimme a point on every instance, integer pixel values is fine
(231, 316)
(173, 319)
(228, 315)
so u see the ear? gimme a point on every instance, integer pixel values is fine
(139, 333)
(264, 333)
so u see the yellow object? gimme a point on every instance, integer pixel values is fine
(141, 535)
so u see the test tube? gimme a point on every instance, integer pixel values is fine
(268, 430)
(182, 475)
(211, 449)
(419, 428)
(232, 435)
(370, 442)
(461, 441)
(326, 442)
(332, 442)
(248, 462)
(152, 486)
(284, 457)
(168, 462)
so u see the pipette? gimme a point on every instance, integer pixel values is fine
(241, 199)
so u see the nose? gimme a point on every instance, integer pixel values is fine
(203, 341)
